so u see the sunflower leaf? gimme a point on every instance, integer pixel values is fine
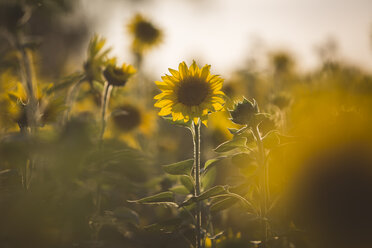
(187, 182)
(212, 192)
(230, 145)
(223, 204)
(163, 198)
(212, 162)
(179, 168)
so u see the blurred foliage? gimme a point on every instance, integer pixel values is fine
(309, 131)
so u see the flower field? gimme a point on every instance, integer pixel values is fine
(98, 151)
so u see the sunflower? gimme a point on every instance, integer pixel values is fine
(145, 34)
(118, 76)
(129, 121)
(49, 106)
(190, 93)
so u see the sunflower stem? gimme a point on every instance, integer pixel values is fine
(70, 99)
(104, 103)
(196, 140)
(266, 189)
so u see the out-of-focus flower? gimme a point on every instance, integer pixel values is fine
(281, 100)
(145, 34)
(129, 120)
(190, 93)
(282, 62)
(49, 106)
(96, 59)
(118, 76)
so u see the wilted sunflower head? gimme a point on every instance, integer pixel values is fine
(118, 76)
(144, 32)
(190, 93)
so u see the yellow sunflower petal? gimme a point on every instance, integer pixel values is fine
(163, 103)
(163, 85)
(184, 72)
(205, 71)
(194, 70)
(174, 73)
(165, 111)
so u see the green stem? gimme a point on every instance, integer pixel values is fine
(32, 110)
(196, 140)
(27, 74)
(70, 99)
(105, 100)
(266, 189)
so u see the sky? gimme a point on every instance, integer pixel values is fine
(225, 33)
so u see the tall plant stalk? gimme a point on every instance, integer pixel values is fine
(196, 140)
(104, 103)
(70, 99)
(32, 112)
(265, 178)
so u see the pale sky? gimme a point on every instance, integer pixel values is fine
(223, 33)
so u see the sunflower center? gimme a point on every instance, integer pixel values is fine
(192, 91)
(146, 32)
(127, 118)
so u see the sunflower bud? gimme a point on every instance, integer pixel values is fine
(244, 112)
(118, 76)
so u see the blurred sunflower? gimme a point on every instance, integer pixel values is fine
(49, 107)
(118, 76)
(190, 93)
(16, 106)
(145, 34)
(129, 121)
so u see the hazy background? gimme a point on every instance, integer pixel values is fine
(225, 33)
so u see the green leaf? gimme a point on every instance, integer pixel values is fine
(179, 168)
(126, 214)
(212, 192)
(212, 162)
(180, 189)
(227, 146)
(163, 198)
(216, 190)
(188, 182)
(167, 226)
(66, 82)
(223, 204)
(208, 178)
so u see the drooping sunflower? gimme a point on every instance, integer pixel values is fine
(145, 34)
(118, 76)
(190, 93)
